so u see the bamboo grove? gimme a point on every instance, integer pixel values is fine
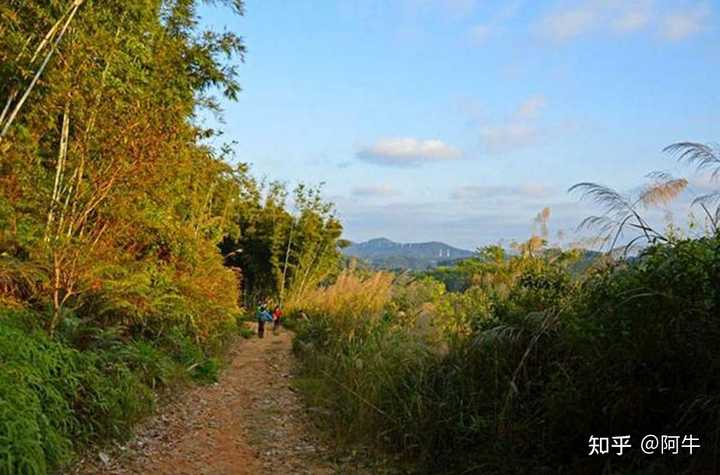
(114, 215)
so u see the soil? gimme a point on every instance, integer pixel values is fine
(251, 422)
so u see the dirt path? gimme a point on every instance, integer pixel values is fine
(250, 422)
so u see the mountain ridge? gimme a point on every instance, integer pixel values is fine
(387, 254)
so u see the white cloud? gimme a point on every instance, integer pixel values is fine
(682, 24)
(623, 16)
(405, 151)
(374, 191)
(620, 16)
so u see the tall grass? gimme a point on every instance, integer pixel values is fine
(353, 354)
(631, 348)
(351, 296)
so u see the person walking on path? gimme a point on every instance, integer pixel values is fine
(263, 315)
(277, 317)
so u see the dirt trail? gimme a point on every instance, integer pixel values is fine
(250, 422)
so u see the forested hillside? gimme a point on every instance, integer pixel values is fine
(115, 212)
(385, 254)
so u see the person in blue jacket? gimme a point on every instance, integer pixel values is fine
(263, 315)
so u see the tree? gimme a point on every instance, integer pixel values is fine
(283, 254)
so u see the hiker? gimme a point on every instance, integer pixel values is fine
(277, 316)
(263, 315)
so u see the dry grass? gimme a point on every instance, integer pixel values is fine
(350, 296)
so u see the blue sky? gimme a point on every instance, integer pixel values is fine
(459, 120)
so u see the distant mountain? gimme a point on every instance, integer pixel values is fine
(386, 254)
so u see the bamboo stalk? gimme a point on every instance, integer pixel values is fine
(67, 192)
(62, 157)
(309, 269)
(11, 98)
(76, 5)
(56, 295)
(49, 35)
(287, 256)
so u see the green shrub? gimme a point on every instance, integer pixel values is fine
(153, 366)
(246, 332)
(38, 381)
(110, 399)
(55, 399)
(207, 371)
(191, 356)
